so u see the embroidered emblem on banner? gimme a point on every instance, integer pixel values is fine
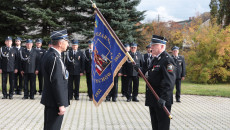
(101, 60)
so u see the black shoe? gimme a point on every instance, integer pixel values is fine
(10, 97)
(4, 97)
(76, 98)
(90, 99)
(107, 99)
(128, 100)
(135, 100)
(114, 100)
(178, 100)
(32, 98)
(25, 98)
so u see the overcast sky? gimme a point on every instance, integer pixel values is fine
(175, 10)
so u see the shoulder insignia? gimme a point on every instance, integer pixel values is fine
(170, 68)
(159, 58)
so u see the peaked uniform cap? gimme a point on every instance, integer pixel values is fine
(158, 40)
(18, 38)
(29, 41)
(133, 44)
(39, 40)
(175, 48)
(8, 38)
(58, 35)
(75, 42)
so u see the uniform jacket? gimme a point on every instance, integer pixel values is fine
(88, 61)
(180, 66)
(8, 59)
(147, 60)
(29, 60)
(41, 53)
(18, 57)
(55, 92)
(75, 63)
(128, 67)
(161, 76)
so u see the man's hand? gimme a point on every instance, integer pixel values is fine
(22, 72)
(36, 72)
(161, 102)
(16, 71)
(81, 74)
(61, 110)
(182, 78)
(119, 74)
(0, 71)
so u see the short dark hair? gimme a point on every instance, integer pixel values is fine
(55, 42)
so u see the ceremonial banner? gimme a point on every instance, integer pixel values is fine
(107, 59)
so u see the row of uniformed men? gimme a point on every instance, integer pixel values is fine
(23, 64)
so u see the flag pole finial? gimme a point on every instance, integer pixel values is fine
(93, 4)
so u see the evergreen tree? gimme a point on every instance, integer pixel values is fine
(122, 17)
(11, 19)
(220, 10)
(224, 12)
(214, 10)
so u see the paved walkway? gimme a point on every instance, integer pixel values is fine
(195, 112)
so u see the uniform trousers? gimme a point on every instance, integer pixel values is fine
(76, 80)
(124, 85)
(159, 119)
(52, 120)
(29, 77)
(132, 88)
(41, 80)
(18, 82)
(89, 84)
(178, 88)
(114, 90)
(4, 82)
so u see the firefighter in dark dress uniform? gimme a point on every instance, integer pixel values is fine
(147, 57)
(75, 65)
(88, 60)
(41, 52)
(18, 77)
(55, 92)
(29, 68)
(8, 66)
(161, 76)
(124, 83)
(132, 74)
(180, 71)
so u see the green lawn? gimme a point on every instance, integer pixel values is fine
(222, 90)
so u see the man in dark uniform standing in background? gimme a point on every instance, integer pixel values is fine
(88, 61)
(147, 57)
(29, 68)
(180, 70)
(8, 65)
(124, 82)
(161, 76)
(18, 77)
(132, 74)
(55, 92)
(41, 52)
(75, 65)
